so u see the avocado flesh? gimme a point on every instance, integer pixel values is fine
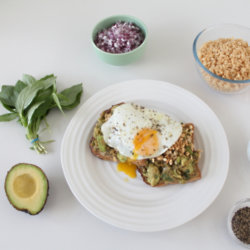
(26, 187)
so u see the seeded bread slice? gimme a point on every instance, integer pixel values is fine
(179, 164)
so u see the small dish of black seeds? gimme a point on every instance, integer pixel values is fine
(239, 222)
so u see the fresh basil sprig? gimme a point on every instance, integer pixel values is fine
(30, 100)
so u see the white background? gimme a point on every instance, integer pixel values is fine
(43, 37)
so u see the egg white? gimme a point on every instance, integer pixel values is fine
(128, 119)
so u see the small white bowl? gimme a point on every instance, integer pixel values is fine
(240, 204)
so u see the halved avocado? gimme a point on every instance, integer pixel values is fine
(26, 187)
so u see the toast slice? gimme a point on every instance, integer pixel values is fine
(97, 145)
(179, 164)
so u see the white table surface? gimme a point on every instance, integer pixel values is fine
(43, 37)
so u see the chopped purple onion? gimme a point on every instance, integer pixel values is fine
(121, 37)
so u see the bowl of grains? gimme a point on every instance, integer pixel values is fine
(119, 40)
(222, 56)
(239, 222)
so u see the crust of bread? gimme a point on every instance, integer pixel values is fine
(99, 154)
(110, 154)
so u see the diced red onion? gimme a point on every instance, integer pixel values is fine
(121, 37)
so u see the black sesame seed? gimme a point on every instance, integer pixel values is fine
(241, 224)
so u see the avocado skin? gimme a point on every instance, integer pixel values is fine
(26, 210)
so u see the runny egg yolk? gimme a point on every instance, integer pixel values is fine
(146, 142)
(128, 168)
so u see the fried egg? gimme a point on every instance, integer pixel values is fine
(140, 133)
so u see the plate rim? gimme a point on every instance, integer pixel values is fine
(171, 85)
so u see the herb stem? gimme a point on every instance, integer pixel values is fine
(37, 145)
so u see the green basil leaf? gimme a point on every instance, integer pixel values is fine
(43, 95)
(8, 96)
(57, 102)
(39, 111)
(32, 110)
(48, 81)
(29, 93)
(74, 104)
(8, 117)
(20, 85)
(47, 77)
(28, 79)
(26, 97)
(11, 109)
(70, 97)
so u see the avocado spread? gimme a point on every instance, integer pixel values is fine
(177, 165)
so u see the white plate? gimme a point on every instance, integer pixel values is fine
(130, 203)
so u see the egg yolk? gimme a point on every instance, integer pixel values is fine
(146, 142)
(128, 168)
